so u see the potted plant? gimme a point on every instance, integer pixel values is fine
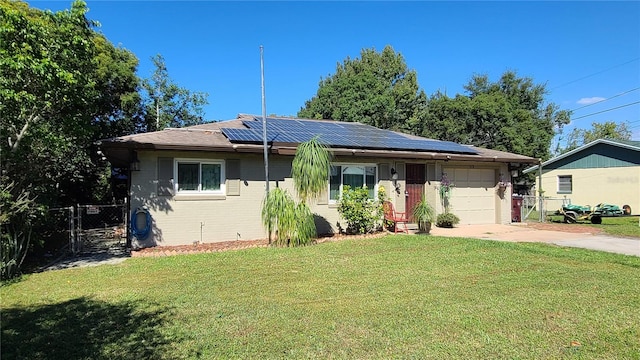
(447, 220)
(424, 214)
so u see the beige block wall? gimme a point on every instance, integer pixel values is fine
(618, 186)
(181, 220)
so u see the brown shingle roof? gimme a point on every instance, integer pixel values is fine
(208, 137)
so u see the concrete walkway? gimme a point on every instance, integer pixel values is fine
(521, 233)
(617, 245)
(94, 253)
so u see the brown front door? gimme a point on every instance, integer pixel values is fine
(415, 185)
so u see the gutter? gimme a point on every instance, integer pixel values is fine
(412, 155)
(291, 150)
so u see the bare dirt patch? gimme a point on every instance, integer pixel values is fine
(569, 228)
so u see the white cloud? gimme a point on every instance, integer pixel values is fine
(591, 100)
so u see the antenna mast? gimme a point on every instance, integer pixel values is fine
(264, 124)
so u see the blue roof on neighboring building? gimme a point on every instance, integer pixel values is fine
(597, 157)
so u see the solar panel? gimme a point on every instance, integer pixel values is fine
(338, 134)
(245, 135)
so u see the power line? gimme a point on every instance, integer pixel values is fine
(594, 74)
(603, 100)
(607, 110)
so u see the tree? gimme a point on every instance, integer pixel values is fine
(508, 115)
(607, 130)
(63, 86)
(376, 89)
(168, 105)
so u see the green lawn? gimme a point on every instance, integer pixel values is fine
(393, 297)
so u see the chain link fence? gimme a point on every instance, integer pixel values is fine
(84, 227)
(59, 229)
(536, 209)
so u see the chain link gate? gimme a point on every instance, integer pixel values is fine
(100, 226)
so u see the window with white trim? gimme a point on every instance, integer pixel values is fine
(565, 184)
(199, 176)
(354, 175)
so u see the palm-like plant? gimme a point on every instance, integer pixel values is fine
(278, 215)
(310, 169)
(293, 223)
(424, 214)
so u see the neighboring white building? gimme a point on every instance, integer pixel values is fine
(602, 171)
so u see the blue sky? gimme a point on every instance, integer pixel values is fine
(583, 51)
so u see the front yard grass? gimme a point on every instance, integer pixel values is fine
(391, 297)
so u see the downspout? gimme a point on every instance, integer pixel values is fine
(127, 205)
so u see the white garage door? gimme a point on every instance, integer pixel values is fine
(473, 198)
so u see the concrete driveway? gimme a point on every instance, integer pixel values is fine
(522, 233)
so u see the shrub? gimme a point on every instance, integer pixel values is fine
(382, 197)
(447, 220)
(18, 214)
(361, 214)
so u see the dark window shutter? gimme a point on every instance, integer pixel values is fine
(383, 172)
(232, 173)
(400, 170)
(431, 172)
(165, 176)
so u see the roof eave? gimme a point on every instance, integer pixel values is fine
(578, 149)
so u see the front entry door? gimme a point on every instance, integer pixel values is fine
(415, 186)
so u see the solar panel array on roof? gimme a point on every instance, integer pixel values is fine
(338, 134)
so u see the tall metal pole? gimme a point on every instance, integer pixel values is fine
(541, 216)
(264, 124)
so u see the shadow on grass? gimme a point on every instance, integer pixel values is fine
(84, 329)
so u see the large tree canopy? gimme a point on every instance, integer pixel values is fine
(376, 89)
(63, 86)
(166, 104)
(508, 115)
(607, 130)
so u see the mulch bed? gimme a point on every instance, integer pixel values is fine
(160, 251)
(198, 248)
